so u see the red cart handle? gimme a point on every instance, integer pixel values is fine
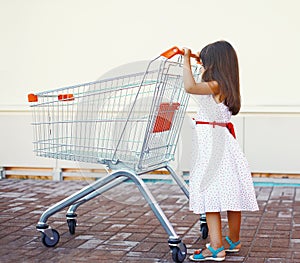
(176, 51)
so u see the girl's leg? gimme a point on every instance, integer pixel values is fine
(213, 220)
(234, 224)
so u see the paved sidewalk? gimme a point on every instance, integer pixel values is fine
(120, 227)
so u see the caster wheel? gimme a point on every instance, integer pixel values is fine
(47, 241)
(72, 225)
(179, 253)
(204, 231)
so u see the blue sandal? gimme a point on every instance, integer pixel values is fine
(232, 248)
(199, 257)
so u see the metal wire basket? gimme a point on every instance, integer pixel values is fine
(128, 121)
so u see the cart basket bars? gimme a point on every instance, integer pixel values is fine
(131, 120)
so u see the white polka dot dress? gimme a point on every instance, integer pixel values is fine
(220, 178)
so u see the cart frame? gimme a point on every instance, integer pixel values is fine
(160, 121)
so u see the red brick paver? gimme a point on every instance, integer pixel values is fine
(120, 227)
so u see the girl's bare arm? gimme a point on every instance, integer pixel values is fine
(202, 88)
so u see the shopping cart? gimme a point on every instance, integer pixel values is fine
(128, 123)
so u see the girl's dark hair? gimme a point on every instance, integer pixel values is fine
(220, 62)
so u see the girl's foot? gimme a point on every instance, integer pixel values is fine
(209, 254)
(233, 247)
(230, 246)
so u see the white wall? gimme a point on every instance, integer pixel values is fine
(272, 143)
(47, 44)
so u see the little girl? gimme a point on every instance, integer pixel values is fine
(220, 178)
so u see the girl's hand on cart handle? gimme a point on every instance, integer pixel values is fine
(176, 51)
(186, 52)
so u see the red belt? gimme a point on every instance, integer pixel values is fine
(228, 125)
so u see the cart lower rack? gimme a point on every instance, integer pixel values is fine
(129, 123)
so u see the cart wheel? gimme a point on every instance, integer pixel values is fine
(179, 253)
(47, 241)
(204, 230)
(72, 225)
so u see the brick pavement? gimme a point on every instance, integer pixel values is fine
(120, 227)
